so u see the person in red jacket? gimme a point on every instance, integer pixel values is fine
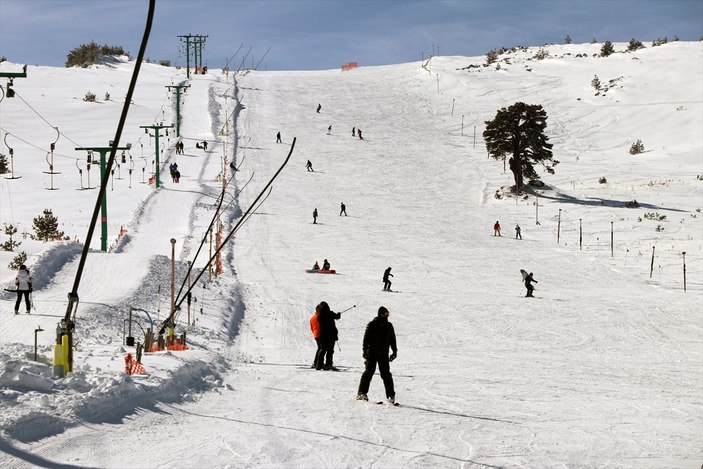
(496, 229)
(315, 328)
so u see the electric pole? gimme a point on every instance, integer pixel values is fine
(103, 203)
(156, 129)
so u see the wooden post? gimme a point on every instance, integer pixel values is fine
(580, 235)
(558, 226)
(651, 267)
(611, 239)
(452, 107)
(684, 270)
(537, 209)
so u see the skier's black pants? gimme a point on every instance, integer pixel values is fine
(326, 353)
(318, 354)
(26, 299)
(384, 367)
(386, 284)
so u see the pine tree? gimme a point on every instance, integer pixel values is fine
(519, 131)
(634, 45)
(567, 39)
(19, 259)
(4, 167)
(607, 49)
(46, 226)
(10, 245)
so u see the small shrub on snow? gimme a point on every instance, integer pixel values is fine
(89, 97)
(637, 147)
(634, 45)
(567, 39)
(602, 180)
(595, 82)
(654, 216)
(607, 49)
(491, 57)
(632, 204)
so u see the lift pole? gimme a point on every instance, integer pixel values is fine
(156, 129)
(178, 105)
(103, 203)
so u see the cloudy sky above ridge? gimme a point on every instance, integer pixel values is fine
(324, 34)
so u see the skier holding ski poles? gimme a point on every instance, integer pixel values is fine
(23, 281)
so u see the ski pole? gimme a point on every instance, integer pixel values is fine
(347, 309)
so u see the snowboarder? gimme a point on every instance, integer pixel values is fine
(353, 131)
(528, 285)
(315, 328)
(378, 338)
(325, 265)
(278, 138)
(23, 281)
(386, 282)
(343, 210)
(308, 166)
(314, 216)
(496, 229)
(319, 106)
(328, 336)
(359, 132)
(329, 130)
(517, 232)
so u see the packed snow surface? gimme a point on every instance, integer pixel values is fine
(603, 368)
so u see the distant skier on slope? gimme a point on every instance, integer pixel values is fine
(308, 166)
(528, 284)
(496, 229)
(518, 232)
(314, 216)
(278, 138)
(343, 210)
(379, 337)
(319, 106)
(386, 281)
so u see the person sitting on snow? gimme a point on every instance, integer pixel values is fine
(325, 265)
(316, 266)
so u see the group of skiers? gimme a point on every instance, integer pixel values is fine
(180, 148)
(379, 340)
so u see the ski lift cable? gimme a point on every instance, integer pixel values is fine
(33, 145)
(212, 222)
(232, 232)
(44, 119)
(73, 295)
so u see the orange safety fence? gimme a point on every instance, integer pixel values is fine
(132, 366)
(177, 347)
(349, 66)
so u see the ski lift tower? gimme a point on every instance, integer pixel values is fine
(103, 207)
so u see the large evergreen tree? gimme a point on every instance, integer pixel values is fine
(519, 131)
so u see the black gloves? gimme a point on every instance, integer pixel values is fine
(393, 356)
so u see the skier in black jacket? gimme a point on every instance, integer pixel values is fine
(328, 336)
(378, 339)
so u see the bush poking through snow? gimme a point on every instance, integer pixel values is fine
(632, 204)
(602, 180)
(607, 49)
(46, 226)
(637, 147)
(89, 97)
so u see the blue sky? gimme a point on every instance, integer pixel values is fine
(324, 34)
